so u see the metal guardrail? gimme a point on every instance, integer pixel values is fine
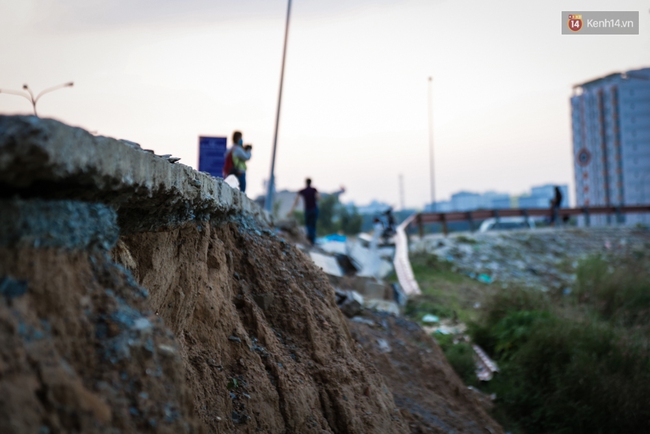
(401, 260)
(471, 216)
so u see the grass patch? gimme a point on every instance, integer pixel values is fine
(444, 292)
(429, 269)
(465, 239)
(460, 356)
(619, 292)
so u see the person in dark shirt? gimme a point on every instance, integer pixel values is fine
(556, 202)
(310, 197)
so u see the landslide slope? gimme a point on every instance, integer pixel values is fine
(265, 347)
(142, 296)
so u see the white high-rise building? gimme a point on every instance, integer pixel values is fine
(610, 117)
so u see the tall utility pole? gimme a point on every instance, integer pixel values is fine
(268, 203)
(401, 192)
(433, 182)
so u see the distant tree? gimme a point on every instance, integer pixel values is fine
(328, 220)
(351, 220)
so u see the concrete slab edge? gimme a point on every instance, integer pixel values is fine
(45, 158)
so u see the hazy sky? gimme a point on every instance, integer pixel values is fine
(354, 111)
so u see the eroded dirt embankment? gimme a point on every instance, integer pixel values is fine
(236, 331)
(79, 350)
(264, 344)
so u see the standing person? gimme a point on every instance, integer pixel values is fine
(555, 205)
(389, 230)
(240, 154)
(311, 197)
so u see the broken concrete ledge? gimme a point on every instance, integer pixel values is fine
(44, 158)
(66, 223)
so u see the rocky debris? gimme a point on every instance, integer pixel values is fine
(350, 302)
(540, 258)
(291, 231)
(429, 396)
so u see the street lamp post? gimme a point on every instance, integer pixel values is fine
(431, 169)
(30, 95)
(268, 203)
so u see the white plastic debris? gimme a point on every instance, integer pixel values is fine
(232, 181)
(428, 318)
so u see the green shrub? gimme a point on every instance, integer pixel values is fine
(564, 372)
(460, 356)
(619, 291)
(513, 299)
(465, 239)
(513, 331)
(570, 377)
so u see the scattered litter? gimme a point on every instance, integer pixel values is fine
(484, 278)
(363, 320)
(485, 367)
(348, 265)
(383, 306)
(383, 346)
(350, 302)
(329, 264)
(428, 318)
(399, 295)
(232, 181)
(142, 324)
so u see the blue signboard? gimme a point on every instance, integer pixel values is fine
(212, 155)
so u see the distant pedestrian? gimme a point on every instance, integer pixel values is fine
(310, 197)
(556, 202)
(240, 154)
(390, 228)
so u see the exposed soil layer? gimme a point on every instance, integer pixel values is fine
(429, 394)
(79, 351)
(265, 347)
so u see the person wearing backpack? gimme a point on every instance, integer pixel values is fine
(236, 158)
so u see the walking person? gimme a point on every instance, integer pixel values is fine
(240, 154)
(310, 197)
(555, 205)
